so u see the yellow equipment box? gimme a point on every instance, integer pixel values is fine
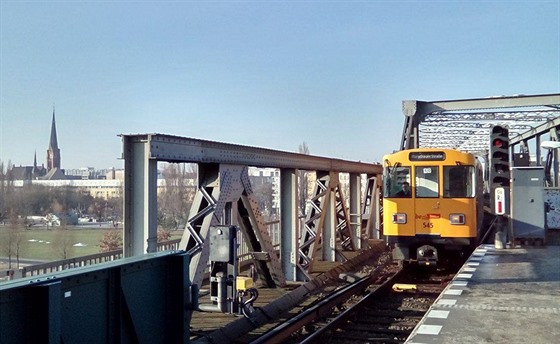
(244, 283)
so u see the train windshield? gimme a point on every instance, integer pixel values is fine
(458, 181)
(396, 181)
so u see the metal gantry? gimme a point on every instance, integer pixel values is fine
(225, 197)
(465, 124)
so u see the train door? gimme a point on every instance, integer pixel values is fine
(427, 202)
(459, 197)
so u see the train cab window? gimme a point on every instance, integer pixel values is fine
(396, 181)
(458, 181)
(427, 181)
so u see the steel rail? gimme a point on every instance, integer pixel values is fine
(349, 312)
(319, 310)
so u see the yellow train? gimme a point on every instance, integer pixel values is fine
(432, 204)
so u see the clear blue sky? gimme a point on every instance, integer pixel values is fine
(262, 73)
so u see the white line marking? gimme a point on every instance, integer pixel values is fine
(446, 302)
(459, 283)
(429, 329)
(453, 292)
(438, 314)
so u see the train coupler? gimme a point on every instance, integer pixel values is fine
(427, 255)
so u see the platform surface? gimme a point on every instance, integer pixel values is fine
(499, 296)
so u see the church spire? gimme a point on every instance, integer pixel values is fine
(53, 144)
(53, 152)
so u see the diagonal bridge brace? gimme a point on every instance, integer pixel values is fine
(225, 197)
(326, 232)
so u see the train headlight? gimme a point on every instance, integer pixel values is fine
(399, 218)
(457, 219)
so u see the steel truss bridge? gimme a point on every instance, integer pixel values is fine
(465, 124)
(225, 197)
(132, 299)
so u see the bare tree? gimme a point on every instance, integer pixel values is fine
(303, 181)
(263, 194)
(8, 238)
(6, 190)
(18, 238)
(6, 246)
(115, 208)
(2, 192)
(176, 197)
(63, 242)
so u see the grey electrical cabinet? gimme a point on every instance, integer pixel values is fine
(527, 203)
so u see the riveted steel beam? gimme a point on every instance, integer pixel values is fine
(183, 149)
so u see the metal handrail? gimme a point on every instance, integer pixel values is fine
(59, 265)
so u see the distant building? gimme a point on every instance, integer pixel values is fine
(21, 173)
(80, 173)
(97, 188)
(270, 176)
(27, 172)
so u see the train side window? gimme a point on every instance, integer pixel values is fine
(427, 181)
(459, 181)
(393, 179)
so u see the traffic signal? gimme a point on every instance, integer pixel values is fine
(499, 157)
(499, 170)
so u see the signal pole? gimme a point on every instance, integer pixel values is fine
(500, 176)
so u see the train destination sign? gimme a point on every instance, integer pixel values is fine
(426, 156)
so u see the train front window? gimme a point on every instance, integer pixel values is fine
(396, 181)
(458, 181)
(427, 181)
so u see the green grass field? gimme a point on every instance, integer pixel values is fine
(48, 245)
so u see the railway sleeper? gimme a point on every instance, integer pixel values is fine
(393, 313)
(369, 339)
(389, 321)
(378, 334)
(402, 329)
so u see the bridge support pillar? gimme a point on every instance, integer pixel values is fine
(140, 198)
(289, 223)
(355, 213)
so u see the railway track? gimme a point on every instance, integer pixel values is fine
(220, 328)
(386, 311)
(390, 313)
